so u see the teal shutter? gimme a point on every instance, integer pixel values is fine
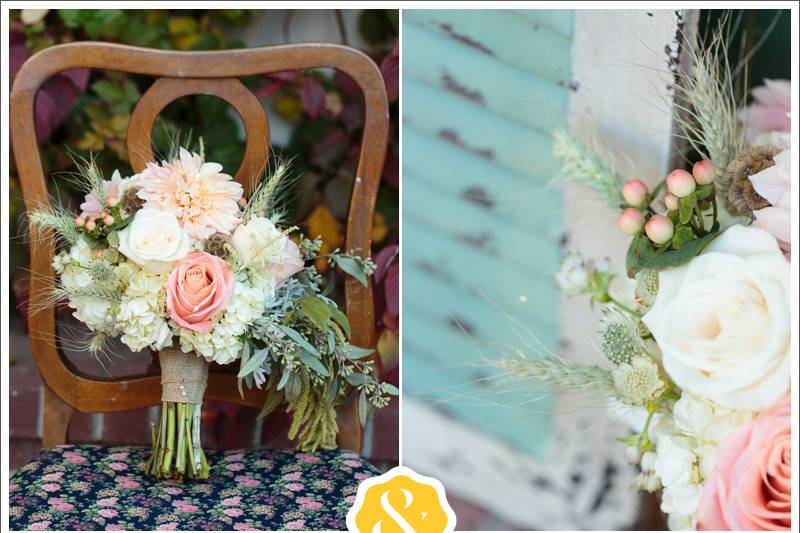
(482, 93)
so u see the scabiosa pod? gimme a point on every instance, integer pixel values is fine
(620, 340)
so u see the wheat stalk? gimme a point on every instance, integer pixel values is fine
(587, 165)
(558, 372)
(268, 194)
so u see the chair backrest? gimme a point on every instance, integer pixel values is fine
(180, 74)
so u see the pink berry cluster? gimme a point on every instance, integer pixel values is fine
(679, 184)
(109, 216)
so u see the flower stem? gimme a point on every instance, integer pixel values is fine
(622, 307)
(176, 447)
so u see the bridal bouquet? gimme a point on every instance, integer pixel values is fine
(697, 342)
(175, 259)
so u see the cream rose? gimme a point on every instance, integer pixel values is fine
(722, 321)
(154, 240)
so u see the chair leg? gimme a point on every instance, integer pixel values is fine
(349, 427)
(57, 415)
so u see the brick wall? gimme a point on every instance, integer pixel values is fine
(224, 425)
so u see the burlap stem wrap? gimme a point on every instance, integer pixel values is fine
(184, 376)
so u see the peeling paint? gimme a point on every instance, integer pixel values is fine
(478, 196)
(472, 43)
(450, 84)
(453, 137)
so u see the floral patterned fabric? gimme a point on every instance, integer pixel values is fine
(103, 488)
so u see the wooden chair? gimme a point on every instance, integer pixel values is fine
(180, 74)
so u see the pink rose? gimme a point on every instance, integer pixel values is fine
(169, 526)
(235, 467)
(353, 464)
(114, 527)
(361, 475)
(108, 513)
(118, 466)
(313, 506)
(40, 526)
(295, 487)
(307, 458)
(173, 490)
(769, 111)
(198, 288)
(63, 506)
(244, 527)
(55, 476)
(51, 487)
(107, 502)
(75, 459)
(118, 456)
(750, 485)
(294, 476)
(234, 457)
(297, 524)
(233, 511)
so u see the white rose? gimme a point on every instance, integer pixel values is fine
(258, 243)
(674, 461)
(722, 321)
(154, 240)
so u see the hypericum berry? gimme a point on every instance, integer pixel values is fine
(631, 221)
(704, 172)
(671, 201)
(680, 183)
(635, 192)
(108, 220)
(659, 229)
(112, 201)
(90, 224)
(80, 221)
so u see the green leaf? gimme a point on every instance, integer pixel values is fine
(668, 258)
(388, 388)
(296, 337)
(333, 392)
(363, 408)
(331, 341)
(284, 379)
(313, 363)
(685, 208)
(352, 267)
(703, 191)
(340, 318)
(252, 363)
(358, 379)
(356, 352)
(640, 250)
(683, 234)
(316, 311)
(272, 401)
(294, 387)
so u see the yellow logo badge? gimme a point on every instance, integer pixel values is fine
(401, 501)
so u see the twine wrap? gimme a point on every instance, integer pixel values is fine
(184, 376)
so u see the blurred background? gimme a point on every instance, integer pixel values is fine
(315, 119)
(486, 221)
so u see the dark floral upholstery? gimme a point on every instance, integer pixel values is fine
(103, 487)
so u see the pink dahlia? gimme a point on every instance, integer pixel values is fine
(202, 198)
(769, 111)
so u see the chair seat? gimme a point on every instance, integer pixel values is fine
(104, 488)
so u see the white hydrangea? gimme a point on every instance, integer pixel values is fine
(141, 318)
(223, 343)
(95, 312)
(686, 445)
